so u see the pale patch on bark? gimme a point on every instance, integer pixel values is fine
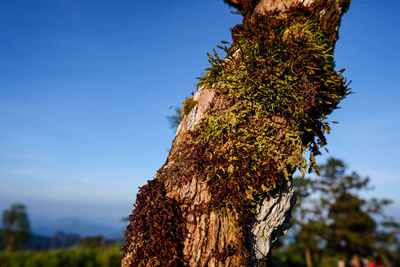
(203, 98)
(270, 5)
(270, 223)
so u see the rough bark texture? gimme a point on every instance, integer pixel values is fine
(211, 234)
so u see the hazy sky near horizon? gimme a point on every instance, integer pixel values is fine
(85, 88)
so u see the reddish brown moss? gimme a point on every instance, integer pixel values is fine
(156, 232)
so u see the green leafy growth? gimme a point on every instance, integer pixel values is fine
(278, 84)
(188, 105)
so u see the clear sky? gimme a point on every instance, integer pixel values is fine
(85, 88)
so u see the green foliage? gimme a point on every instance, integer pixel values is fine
(340, 223)
(308, 223)
(105, 257)
(16, 230)
(351, 226)
(188, 105)
(92, 242)
(291, 256)
(329, 261)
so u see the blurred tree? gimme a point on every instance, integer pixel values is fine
(333, 222)
(175, 119)
(309, 224)
(92, 242)
(351, 221)
(387, 241)
(351, 227)
(16, 230)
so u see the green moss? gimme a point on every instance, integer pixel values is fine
(188, 105)
(279, 89)
(277, 84)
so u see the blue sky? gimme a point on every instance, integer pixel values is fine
(85, 88)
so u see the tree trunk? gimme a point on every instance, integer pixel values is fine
(307, 252)
(355, 261)
(224, 194)
(342, 262)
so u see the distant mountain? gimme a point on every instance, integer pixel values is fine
(43, 226)
(58, 240)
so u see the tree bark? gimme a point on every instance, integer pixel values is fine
(199, 210)
(307, 252)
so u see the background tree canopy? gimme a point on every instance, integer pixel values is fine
(334, 220)
(16, 227)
